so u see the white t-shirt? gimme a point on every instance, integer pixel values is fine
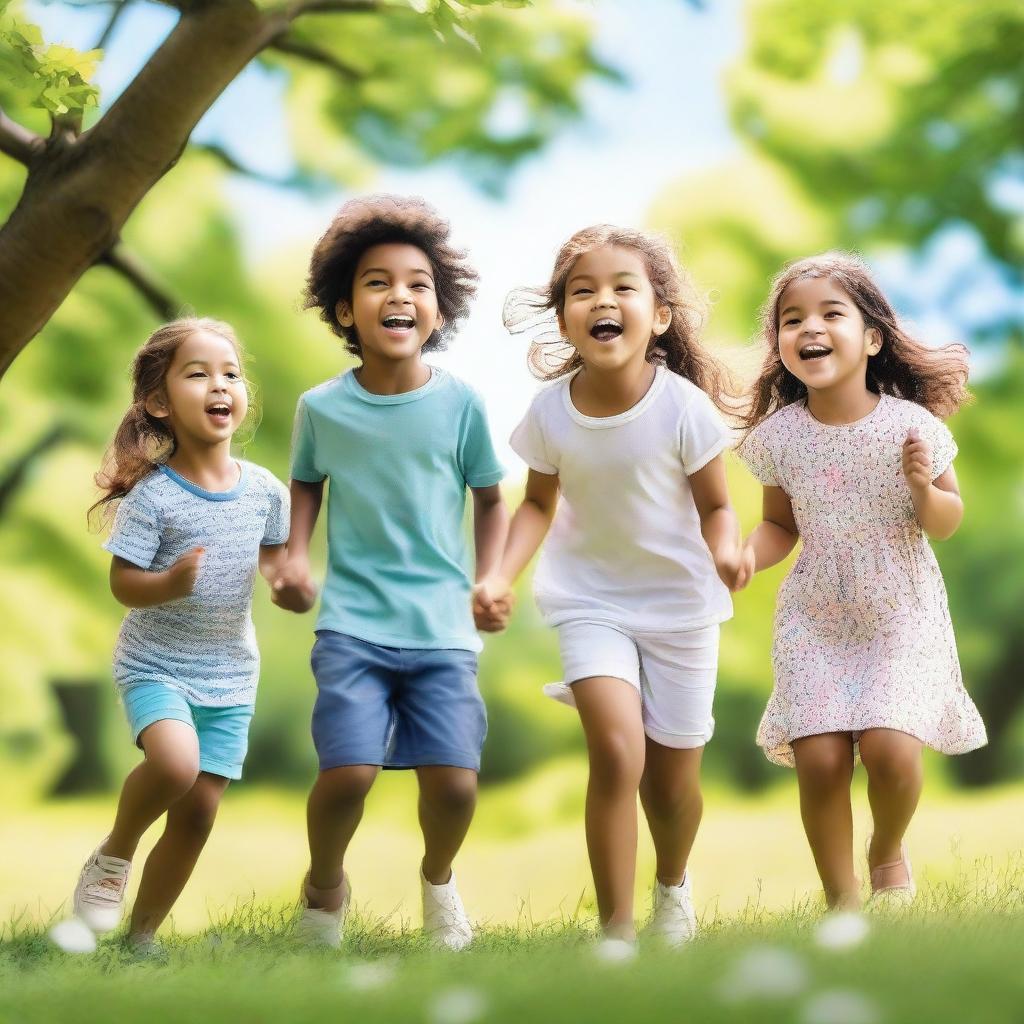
(625, 546)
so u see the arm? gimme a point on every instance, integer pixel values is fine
(772, 539)
(272, 560)
(293, 588)
(143, 588)
(529, 526)
(490, 529)
(937, 502)
(718, 523)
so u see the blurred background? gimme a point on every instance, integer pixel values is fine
(750, 131)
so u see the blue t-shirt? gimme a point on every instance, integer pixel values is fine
(398, 467)
(204, 644)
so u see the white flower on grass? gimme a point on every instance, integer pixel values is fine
(73, 936)
(368, 976)
(764, 972)
(457, 1006)
(839, 1006)
(843, 930)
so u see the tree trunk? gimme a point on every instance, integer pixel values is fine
(79, 193)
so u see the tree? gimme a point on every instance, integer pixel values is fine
(381, 81)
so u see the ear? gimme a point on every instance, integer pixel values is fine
(439, 322)
(156, 405)
(662, 320)
(561, 323)
(874, 338)
(343, 313)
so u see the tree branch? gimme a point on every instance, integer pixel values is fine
(120, 6)
(315, 55)
(138, 276)
(16, 474)
(17, 141)
(333, 7)
(231, 163)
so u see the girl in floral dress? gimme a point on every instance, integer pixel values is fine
(844, 435)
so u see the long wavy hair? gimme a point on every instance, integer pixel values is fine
(142, 441)
(904, 367)
(531, 310)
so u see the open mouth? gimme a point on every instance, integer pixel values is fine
(219, 413)
(814, 351)
(398, 323)
(605, 330)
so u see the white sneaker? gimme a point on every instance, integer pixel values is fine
(316, 927)
(99, 895)
(444, 918)
(615, 951)
(673, 919)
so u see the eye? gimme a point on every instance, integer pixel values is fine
(832, 312)
(197, 373)
(374, 282)
(792, 320)
(625, 288)
(232, 375)
(422, 285)
(582, 291)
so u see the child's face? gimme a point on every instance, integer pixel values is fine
(394, 304)
(204, 397)
(823, 341)
(611, 312)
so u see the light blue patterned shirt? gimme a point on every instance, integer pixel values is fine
(204, 644)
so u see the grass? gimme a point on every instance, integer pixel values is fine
(953, 957)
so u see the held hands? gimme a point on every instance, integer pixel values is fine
(294, 589)
(735, 564)
(917, 461)
(181, 577)
(493, 602)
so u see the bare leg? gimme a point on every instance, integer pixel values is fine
(446, 806)
(171, 862)
(168, 772)
(824, 768)
(672, 801)
(334, 810)
(892, 760)
(609, 709)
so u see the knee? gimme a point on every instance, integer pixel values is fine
(893, 769)
(454, 796)
(824, 771)
(197, 815)
(615, 763)
(340, 788)
(175, 774)
(673, 799)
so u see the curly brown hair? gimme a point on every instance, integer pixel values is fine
(376, 220)
(904, 367)
(678, 349)
(142, 441)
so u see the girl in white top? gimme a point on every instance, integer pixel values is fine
(642, 548)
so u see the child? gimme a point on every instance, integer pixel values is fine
(630, 437)
(395, 658)
(844, 437)
(192, 526)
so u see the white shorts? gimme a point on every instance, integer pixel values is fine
(674, 673)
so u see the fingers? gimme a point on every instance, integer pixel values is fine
(913, 435)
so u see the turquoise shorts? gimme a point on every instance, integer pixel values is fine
(223, 732)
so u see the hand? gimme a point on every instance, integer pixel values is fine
(917, 461)
(493, 601)
(294, 589)
(732, 560)
(181, 577)
(747, 567)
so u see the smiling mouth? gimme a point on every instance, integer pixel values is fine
(219, 412)
(605, 330)
(814, 352)
(398, 323)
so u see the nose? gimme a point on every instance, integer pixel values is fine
(398, 294)
(605, 299)
(813, 325)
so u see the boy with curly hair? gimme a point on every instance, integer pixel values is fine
(395, 658)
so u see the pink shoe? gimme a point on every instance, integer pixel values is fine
(893, 884)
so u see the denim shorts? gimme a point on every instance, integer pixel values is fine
(395, 707)
(223, 732)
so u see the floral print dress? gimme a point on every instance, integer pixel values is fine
(862, 635)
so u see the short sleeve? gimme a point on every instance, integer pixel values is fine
(135, 536)
(304, 466)
(702, 434)
(529, 443)
(944, 448)
(758, 459)
(480, 466)
(279, 513)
